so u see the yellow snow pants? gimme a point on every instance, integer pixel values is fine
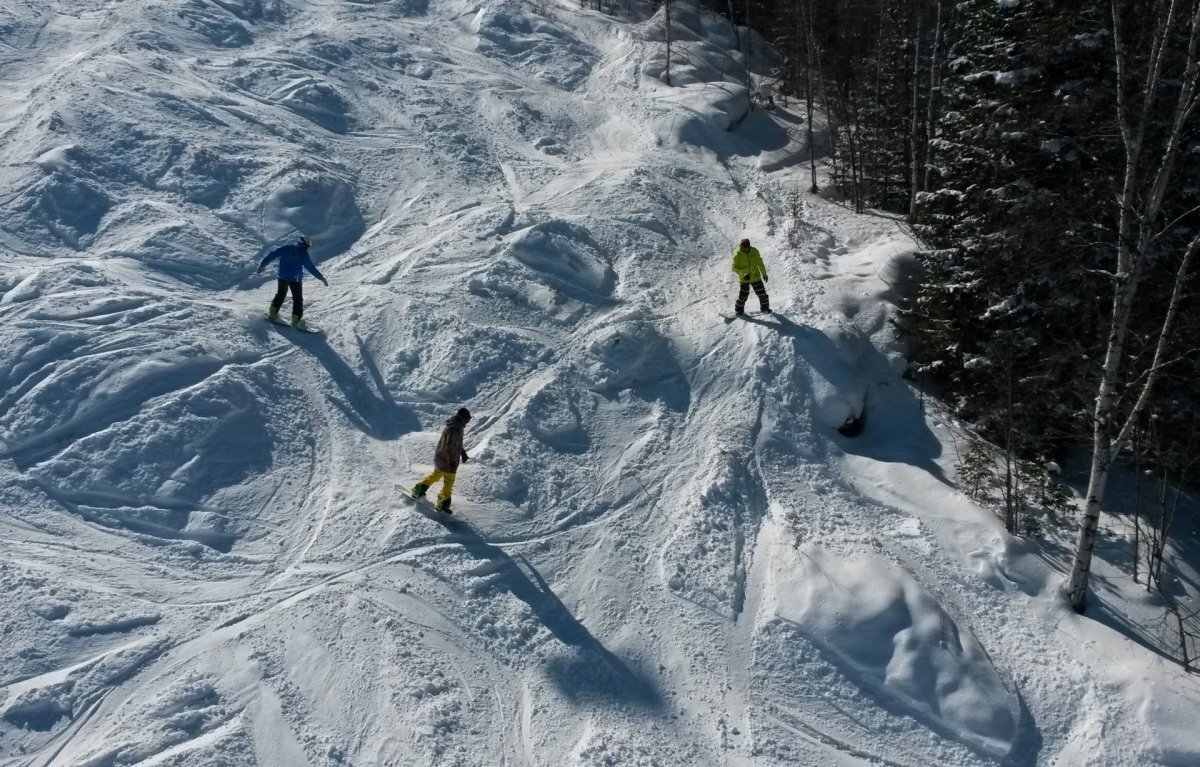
(434, 476)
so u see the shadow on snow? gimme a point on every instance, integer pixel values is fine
(370, 408)
(591, 672)
(899, 433)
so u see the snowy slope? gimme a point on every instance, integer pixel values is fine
(663, 551)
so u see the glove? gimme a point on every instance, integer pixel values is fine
(745, 278)
(465, 457)
(765, 278)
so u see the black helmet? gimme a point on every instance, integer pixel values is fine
(463, 414)
(305, 241)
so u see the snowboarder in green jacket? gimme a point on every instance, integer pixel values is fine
(446, 458)
(751, 273)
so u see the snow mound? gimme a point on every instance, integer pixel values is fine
(292, 81)
(553, 415)
(459, 358)
(179, 250)
(395, 8)
(319, 204)
(837, 376)
(63, 204)
(217, 25)
(566, 258)
(633, 355)
(509, 32)
(890, 636)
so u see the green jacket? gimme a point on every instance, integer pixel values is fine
(748, 262)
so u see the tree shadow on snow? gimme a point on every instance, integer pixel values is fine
(591, 672)
(1114, 544)
(894, 424)
(1027, 747)
(1156, 636)
(751, 133)
(371, 408)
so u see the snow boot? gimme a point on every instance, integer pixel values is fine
(418, 490)
(272, 313)
(297, 321)
(444, 506)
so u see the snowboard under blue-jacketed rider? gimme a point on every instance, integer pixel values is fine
(293, 261)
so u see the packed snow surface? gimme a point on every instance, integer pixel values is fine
(663, 551)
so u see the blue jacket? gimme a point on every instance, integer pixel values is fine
(293, 260)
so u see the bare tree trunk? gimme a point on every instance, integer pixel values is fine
(915, 152)
(1010, 492)
(1160, 533)
(749, 40)
(810, 43)
(935, 88)
(1137, 219)
(831, 128)
(1137, 504)
(737, 36)
(1183, 641)
(853, 139)
(667, 7)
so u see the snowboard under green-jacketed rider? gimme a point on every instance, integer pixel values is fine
(293, 261)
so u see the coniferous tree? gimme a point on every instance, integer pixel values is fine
(993, 296)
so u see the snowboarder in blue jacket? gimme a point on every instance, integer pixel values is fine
(293, 260)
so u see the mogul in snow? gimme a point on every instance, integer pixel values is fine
(446, 458)
(293, 260)
(751, 273)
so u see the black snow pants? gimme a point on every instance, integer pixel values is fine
(760, 290)
(297, 289)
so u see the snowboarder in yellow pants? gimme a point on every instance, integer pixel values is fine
(446, 457)
(431, 480)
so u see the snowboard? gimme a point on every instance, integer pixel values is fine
(305, 328)
(427, 506)
(730, 316)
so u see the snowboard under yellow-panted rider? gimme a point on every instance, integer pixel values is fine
(751, 273)
(446, 458)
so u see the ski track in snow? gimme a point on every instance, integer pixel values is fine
(663, 553)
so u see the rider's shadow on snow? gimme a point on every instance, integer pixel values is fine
(590, 671)
(369, 407)
(890, 425)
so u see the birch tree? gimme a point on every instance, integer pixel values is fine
(1150, 157)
